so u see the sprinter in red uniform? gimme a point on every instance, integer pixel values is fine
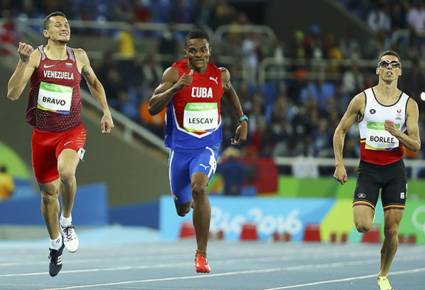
(58, 137)
(388, 120)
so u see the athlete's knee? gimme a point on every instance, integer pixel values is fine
(67, 175)
(48, 198)
(198, 191)
(362, 227)
(391, 231)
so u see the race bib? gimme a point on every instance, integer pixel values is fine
(200, 117)
(377, 138)
(54, 98)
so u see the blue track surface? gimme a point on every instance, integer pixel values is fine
(130, 264)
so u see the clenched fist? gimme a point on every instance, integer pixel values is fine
(184, 80)
(25, 51)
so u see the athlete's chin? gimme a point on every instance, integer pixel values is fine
(199, 66)
(389, 79)
(63, 40)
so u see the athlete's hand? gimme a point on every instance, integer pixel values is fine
(184, 80)
(240, 134)
(390, 127)
(24, 51)
(106, 123)
(340, 174)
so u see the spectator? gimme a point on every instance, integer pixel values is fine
(7, 32)
(168, 43)
(126, 46)
(232, 171)
(416, 17)
(379, 20)
(7, 185)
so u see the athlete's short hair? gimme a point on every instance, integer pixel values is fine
(46, 20)
(196, 34)
(389, 52)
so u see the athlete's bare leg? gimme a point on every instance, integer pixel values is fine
(201, 210)
(363, 217)
(389, 247)
(67, 165)
(50, 207)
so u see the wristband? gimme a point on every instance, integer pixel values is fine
(243, 118)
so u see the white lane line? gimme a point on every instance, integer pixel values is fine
(238, 273)
(255, 271)
(169, 279)
(188, 264)
(236, 259)
(411, 271)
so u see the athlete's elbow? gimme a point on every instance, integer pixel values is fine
(152, 110)
(12, 96)
(417, 147)
(153, 107)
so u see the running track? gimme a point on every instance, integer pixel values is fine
(248, 265)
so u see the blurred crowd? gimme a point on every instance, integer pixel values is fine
(202, 12)
(291, 113)
(387, 17)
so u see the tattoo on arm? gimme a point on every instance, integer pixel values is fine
(88, 76)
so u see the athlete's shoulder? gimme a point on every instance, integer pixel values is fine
(81, 56)
(181, 63)
(406, 96)
(358, 101)
(225, 74)
(361, 96)
(79, 52)
(223, 70)
(171, 74)
(411, 102)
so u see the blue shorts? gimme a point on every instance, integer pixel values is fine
(183, 164)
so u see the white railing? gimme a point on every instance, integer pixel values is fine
(130, 128)
(235, 28)
(117, 25)
(309, 166)
(271, 68)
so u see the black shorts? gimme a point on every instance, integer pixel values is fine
(390, 179)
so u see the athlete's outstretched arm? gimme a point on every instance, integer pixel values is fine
(232, 97)
(411, 140)
(169, 85)
(28, 61)
(353, 111)
(96, 89)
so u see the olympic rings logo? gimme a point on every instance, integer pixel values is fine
(418, 218)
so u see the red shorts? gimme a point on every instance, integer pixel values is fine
(46, 147)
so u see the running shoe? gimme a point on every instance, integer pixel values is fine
(70, 238)
(384, 283)
(201, 264)
(55, 264)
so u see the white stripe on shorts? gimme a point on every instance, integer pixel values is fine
(212, 162)
(169, 170)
